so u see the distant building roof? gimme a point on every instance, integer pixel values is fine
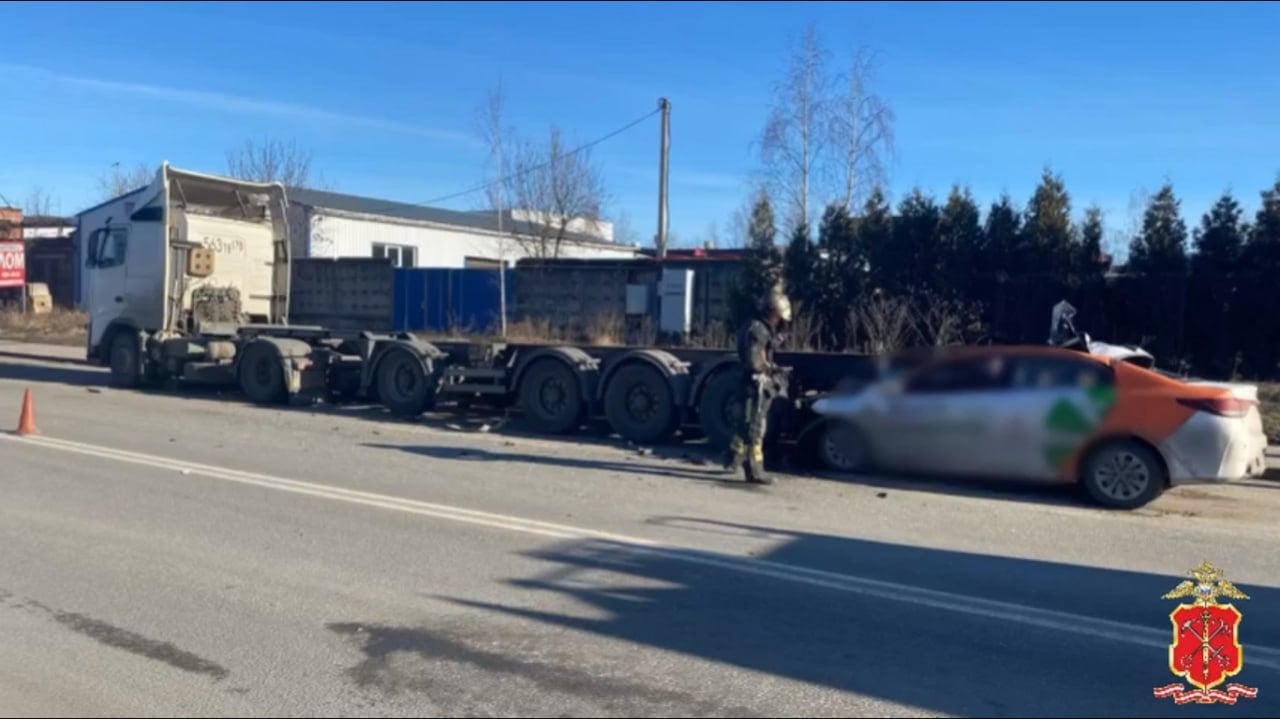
(698, 253)
(476, 219)
(47, 221)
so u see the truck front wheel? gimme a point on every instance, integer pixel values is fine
(125, 359)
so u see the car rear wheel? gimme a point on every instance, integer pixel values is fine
(1123, 475)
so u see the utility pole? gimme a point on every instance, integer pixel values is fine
(502, 254)
(665, 106)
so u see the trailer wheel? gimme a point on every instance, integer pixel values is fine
(125, 360)
(639, 404)
(551, 396)
(721, 406)
(404, 384)
(261, 374)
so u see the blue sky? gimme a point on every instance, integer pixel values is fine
(1117, 97)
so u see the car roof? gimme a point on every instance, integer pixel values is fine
(980, 351)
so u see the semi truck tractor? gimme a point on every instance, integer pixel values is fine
(188, 282)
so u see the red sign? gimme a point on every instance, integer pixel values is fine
(13, 264)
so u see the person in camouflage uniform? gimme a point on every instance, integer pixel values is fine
(757, 341)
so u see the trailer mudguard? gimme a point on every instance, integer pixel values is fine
(382, 377)
(293, 356)
(675, 370)
(584, 367)
(427, 353)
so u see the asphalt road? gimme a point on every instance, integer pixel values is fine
(171, 555)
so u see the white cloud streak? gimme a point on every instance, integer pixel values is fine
(238, 104)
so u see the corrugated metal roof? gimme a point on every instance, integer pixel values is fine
(475, 219)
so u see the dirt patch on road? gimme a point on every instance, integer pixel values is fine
(1254, 501)
(59, 327)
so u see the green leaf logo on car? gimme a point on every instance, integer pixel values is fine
(1069, 422)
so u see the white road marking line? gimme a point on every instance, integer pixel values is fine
(1089, 627)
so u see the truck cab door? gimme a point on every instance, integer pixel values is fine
(105, 265)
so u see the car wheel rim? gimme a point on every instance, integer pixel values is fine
(1123, 476)
(833, 447)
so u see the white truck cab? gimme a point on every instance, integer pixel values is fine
(187, 254)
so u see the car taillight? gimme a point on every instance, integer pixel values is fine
(1221, 406)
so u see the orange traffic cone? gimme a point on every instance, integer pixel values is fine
(27, 420)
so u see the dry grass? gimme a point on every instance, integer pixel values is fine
(59, 327)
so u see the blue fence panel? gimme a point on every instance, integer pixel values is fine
(444, 299)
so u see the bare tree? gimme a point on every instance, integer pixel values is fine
(497, 136)
(941, 323)
(624, 232)
(38, 204)
(558, 191)
(861, 127)
(795, 135)
(273, 160)
(887, 323)
(805, 330)
(117, 182)
(712, 239)
(550, 190)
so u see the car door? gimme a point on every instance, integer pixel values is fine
(1054, 403)
(938, 422)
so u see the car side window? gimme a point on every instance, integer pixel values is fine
(1058, 373)
(964, 375)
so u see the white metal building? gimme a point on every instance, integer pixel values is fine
(329, 224)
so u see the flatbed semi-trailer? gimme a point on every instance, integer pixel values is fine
(188, 281)
(644, 394)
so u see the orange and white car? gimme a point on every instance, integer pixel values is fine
(1034, 412)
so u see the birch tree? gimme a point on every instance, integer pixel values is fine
(861, 131)
(795, 136)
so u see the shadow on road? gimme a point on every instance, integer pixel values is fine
(35, 357)
(470, 454)
(65, 373)
(903, 646)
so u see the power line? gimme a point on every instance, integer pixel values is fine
(527, 170)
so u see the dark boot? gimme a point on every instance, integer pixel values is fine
(755, 473)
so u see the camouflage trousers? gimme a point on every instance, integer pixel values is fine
(748, 441)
